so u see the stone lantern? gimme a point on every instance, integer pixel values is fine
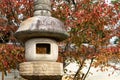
(40, 35)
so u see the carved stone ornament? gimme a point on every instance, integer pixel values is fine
(40, 35)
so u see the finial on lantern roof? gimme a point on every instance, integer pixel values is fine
(42, 8)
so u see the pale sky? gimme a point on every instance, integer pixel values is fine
(97, 74)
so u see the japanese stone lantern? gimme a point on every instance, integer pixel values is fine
(40, 35)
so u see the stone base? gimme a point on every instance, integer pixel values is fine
(41, 70)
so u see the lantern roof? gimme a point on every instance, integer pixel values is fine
(41, 27)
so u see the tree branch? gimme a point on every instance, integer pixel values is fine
(88, 69)
(79, 68)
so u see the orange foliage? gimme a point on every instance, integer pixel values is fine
(12, 12)
(85, 22)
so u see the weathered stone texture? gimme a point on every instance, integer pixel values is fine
(41, 26)
(41, 70)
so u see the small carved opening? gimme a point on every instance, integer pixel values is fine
(43, 48)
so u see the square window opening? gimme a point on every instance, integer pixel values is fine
(42, 48)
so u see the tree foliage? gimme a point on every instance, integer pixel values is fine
(91, 24)
(12, 13)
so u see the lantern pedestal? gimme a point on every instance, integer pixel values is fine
(41, 70)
